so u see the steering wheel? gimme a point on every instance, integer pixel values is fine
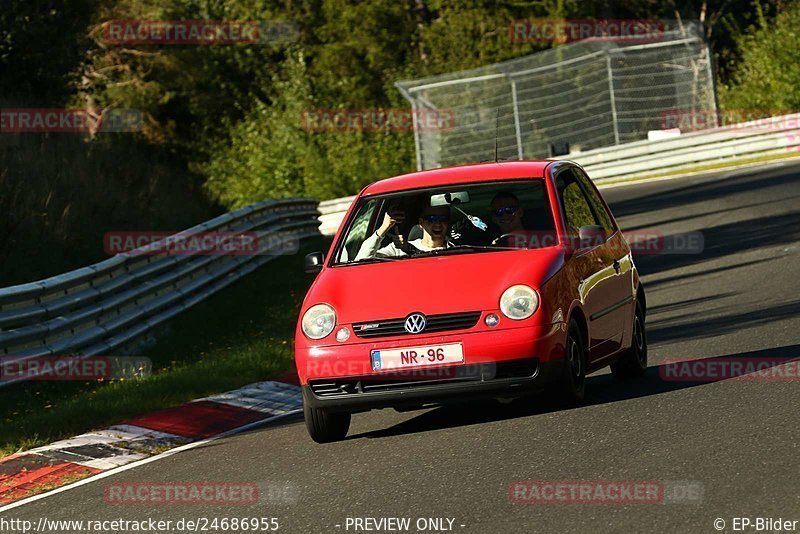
(496, 239)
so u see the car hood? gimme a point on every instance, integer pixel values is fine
(431, 285)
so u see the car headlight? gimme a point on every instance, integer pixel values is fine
(519, 302)
(318, 321)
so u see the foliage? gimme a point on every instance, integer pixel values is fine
(768, 76)
(60, 194)
(42, 45)
(234, 111)
(231, 113)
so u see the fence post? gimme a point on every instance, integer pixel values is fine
(516, 116)
(613, 99)
(712, 84)
(417, 146)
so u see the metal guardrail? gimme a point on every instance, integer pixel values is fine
(97, 309)
(733, 143)
(641, 158)
(332, 212)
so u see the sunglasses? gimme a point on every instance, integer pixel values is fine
(433, 218)
(508, 210)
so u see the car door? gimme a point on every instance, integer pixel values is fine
(616, 253)
(592, 265)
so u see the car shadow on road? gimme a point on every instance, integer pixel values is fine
(601, 389)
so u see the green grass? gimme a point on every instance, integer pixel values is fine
(242, 335)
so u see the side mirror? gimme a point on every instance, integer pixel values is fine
(312, 264)
(591, 235)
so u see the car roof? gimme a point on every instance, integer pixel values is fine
(480, 172)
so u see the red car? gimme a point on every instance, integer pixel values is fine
(497, 280)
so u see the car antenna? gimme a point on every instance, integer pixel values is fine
(496, 116)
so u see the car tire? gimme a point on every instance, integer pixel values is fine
(633, 363)
(571, 388)
(324, 426)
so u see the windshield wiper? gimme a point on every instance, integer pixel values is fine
(373, 259)
(455, 249)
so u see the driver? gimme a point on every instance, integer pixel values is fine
(435, 223)
(507, 215)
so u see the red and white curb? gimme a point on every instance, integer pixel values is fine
(43, 469)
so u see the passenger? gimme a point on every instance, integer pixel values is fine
(507, 215)
(435, 223)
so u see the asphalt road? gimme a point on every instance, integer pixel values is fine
(737, 440)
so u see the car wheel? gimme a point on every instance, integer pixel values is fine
(324, 426)
(633, 363)
(572, 386)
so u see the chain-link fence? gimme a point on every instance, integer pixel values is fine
(589, 94)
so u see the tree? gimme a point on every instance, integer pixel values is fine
(768, 75)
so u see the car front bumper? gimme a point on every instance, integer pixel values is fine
(502, 363)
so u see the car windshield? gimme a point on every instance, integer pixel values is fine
(458, 219)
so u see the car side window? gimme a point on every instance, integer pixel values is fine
(596, 202)
(576, 207)
(359, 230)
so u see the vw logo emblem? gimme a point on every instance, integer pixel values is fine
(415, 323)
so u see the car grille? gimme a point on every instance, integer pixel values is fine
(413, 378)
(435, 323)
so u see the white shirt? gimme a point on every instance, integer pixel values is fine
(369, 248)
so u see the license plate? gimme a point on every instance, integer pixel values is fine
(416, 356)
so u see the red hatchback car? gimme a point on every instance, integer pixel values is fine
(497, 280)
